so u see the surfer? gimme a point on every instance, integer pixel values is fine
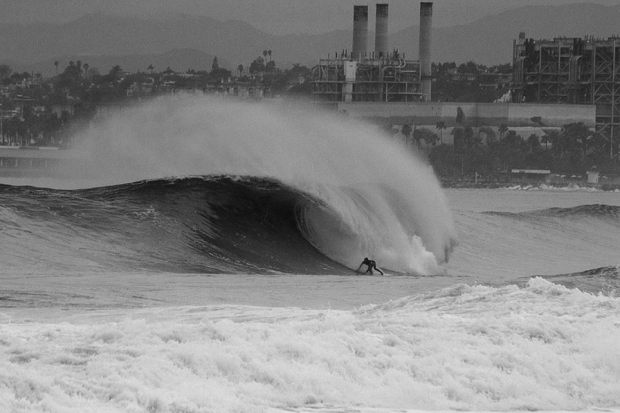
(371, 265)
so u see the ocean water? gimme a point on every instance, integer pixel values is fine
(204, 262)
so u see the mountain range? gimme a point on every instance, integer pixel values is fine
(183, 42)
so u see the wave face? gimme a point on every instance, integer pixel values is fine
(213, 225)
(216, 224)
(369, 196)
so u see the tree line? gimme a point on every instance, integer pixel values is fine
(574, 148)
(82, 87)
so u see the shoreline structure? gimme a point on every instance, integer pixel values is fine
(521, 181)
(34, 162)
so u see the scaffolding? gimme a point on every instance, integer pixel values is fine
(332, 80)
(391, 79)
(574, 71)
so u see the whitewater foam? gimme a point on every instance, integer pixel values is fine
(541, 347)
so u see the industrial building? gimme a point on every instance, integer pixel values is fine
(380, 75)
(386, 87)
(583, 71)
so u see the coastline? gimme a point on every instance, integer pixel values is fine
(528, 185)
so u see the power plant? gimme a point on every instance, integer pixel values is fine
(378, 75)
(555, 83)
(582, 71)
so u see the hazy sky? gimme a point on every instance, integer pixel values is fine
(272, 16)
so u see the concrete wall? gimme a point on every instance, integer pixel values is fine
(36, 153)
(474, 114)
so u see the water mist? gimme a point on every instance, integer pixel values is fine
(377, 199)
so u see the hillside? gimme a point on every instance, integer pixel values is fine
(107, 39)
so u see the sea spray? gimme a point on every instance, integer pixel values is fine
(298, 146)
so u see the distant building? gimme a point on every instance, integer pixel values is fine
(494, 80)
(387, 79)
(382, 75)
(584, 71)
(463, 77)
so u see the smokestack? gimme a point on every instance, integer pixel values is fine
(360, 32)
(426, 25)
(381, 31)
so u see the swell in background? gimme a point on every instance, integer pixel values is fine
(528, 234)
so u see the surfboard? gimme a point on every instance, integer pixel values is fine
(373, 273)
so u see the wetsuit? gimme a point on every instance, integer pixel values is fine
(371, 265)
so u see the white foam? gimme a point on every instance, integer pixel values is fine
(573, 187)
(542, 347)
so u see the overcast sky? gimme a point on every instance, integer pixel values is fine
(272, 16)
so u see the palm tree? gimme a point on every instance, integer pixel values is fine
(533, 143)
(115, 72)
(441, 126)
(546, 139)
(459, 138)
(502, 129)
(265, 54)
(5, 71)
(150, 68)
(406, 131)
(468, 136)
(577, 137)
(56, 64)
(240, 70)
(86, 66)
(555, 138)
(269, 53)
(488, 132)
(417, 136)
